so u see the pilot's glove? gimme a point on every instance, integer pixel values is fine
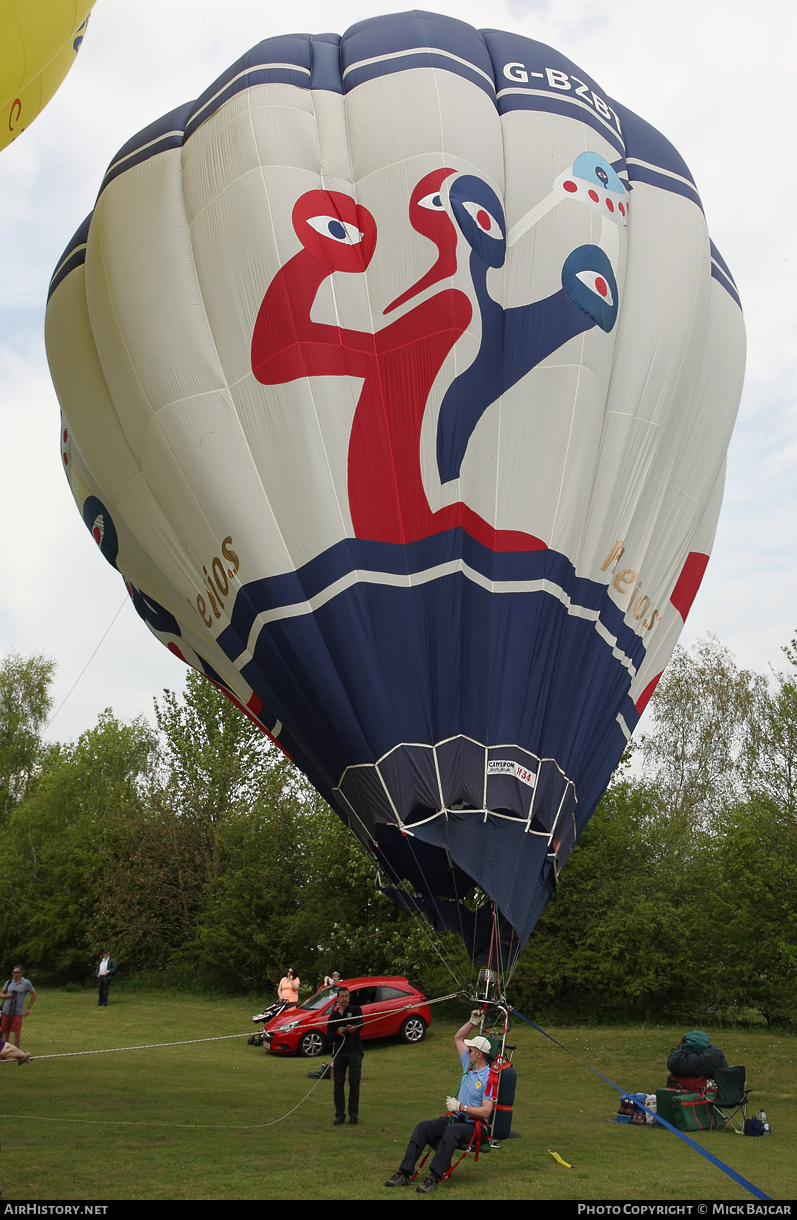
(452, 1105)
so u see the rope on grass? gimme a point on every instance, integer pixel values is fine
(737, 1177)
(112, 1122)
(111, 1050)
(119, 1122)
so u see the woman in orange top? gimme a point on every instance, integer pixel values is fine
(289, 987)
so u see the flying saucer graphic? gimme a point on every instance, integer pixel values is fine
(591, 180)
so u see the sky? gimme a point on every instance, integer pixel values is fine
(715, 78)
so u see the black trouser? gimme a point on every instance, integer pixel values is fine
(451, 1136)
(105, 982)
(353, 1061)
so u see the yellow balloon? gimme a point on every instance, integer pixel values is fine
(38, 43)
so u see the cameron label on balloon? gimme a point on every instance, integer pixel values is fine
(496, 767)
(399, 371)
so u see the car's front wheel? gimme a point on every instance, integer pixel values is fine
(413, 1029)
(311, 1044)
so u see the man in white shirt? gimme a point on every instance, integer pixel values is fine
(106, 969)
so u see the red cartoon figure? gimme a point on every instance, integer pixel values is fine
(398, 364)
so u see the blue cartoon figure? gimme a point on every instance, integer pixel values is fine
(515, 340)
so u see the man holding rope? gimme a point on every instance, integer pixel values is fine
(344, 1027)
(456, 1128)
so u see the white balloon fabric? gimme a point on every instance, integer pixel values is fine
(397, 375)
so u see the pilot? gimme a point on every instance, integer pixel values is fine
(456, 1128)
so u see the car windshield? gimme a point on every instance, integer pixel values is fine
(320, 998)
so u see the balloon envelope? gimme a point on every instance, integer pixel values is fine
(39, 42)
(397, 374)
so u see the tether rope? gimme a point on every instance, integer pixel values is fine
(737, 1177)
(148, 1046)
(111, 1122)
(111, 1050)
(85, 667)
(131, 1122)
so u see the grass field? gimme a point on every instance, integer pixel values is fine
(231, 1086)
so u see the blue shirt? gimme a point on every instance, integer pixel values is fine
(14, 1006)
(473, 1089)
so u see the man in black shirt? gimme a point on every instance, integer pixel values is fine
(344, 1027)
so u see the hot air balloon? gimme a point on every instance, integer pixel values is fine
(397, 374)
(39, 43)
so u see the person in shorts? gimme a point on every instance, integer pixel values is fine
(9, 1051)
(14, 1006)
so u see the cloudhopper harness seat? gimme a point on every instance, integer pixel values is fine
(479, 1141)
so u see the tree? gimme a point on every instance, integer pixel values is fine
(234, 867)
(162, 865)
(211, 754)
(619, 935)
(213, 895)
(757, 890)
(702, 709)
(756, 908)
(51, 849)
(25, 702)
(206, 877)
(772, 755)
(167, 863)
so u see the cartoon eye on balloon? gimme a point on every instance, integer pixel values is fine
(591, 166)
(428, 216)
(338, 230)
(487, 223)
(480, 216)
(597, 284)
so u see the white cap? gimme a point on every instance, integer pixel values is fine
(482, 1044)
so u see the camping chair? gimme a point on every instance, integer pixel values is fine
(730, 1104)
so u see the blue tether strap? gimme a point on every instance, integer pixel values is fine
(737, 1177)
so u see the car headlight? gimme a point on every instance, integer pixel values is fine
(286, 1029)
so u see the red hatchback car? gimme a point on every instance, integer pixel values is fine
(390, 1004)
